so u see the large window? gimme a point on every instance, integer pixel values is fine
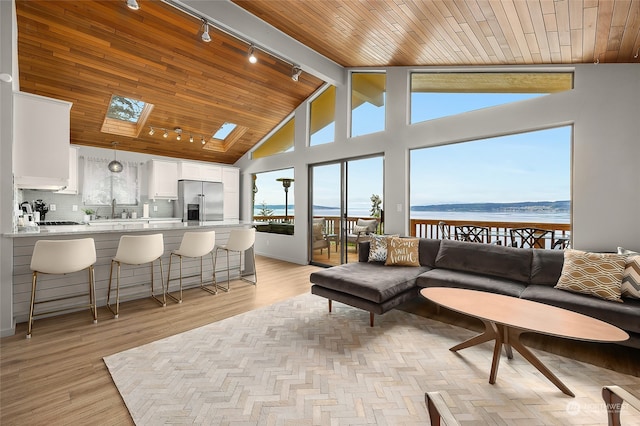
(282, 140)
(435, 95)
(368, 93)
(523, 177)
(101, 186)
(323, 118)
(273, 201)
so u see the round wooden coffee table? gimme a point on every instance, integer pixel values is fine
(506, 318)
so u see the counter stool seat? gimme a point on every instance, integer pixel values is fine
(194, 245)
(137, 250)
(239, 241)
(62, 257)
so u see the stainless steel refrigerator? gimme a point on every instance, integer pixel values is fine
(199, 201)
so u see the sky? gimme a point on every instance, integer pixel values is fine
(533, 166)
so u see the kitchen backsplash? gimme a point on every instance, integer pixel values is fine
(64, 206)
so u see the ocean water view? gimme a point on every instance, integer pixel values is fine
(535, 217)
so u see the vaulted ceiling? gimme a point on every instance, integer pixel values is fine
(86, 51)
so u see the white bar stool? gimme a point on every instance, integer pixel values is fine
(239, 240)
(193, 245)
(62, 257)
(136, 250)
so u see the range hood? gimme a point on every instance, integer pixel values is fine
(40, 183)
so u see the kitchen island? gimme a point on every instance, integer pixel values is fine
(134, 279)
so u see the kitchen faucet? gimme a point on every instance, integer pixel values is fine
(113, 208)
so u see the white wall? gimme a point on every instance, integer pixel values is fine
(603, 108)
(7, 65)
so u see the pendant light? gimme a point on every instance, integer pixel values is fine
(115, 166)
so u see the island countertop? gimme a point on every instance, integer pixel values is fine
(102, 228)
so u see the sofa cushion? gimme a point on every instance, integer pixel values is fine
(369, 281)
(471, 281)
(487, 259)
(595, 274)
(624, 315)
(546, 266)
(428, 250)
(631, 277)
(378, 247)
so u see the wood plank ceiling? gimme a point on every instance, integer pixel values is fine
(86, 51)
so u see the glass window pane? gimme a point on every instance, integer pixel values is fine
(435, 95)
(125, 109)
(368, 93)
(281, 141)
(524, 177)
(273, 201)
(322, 118)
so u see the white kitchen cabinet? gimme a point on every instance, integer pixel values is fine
(72, 182)
(163, 179)
(41, 133)
(231, 184)
(199, 171)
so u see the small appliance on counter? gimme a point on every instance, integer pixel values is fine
(40, 208)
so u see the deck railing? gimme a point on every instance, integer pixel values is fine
(498, 231)
(428, 228)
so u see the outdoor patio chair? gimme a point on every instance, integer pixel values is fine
(361, 231)
(472, 233)
(530, 237)
(319, 240)
(445, 233)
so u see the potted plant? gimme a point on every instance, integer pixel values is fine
(88, 215)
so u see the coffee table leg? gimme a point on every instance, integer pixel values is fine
(514, 336)
(488, 334)
(497, 348)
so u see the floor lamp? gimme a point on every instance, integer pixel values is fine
(286, 183)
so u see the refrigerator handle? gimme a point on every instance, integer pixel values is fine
(201, 211)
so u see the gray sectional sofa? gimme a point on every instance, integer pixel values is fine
(525, 273)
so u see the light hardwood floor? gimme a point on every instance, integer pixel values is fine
(58, 376)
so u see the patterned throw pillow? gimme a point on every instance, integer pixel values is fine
(402, 252)
(378, 248)
(631, 277)
(596, 274)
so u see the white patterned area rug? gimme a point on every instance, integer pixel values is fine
(294, 363)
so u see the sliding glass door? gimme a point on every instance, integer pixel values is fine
(345, 196)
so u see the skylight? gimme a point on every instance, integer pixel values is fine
(224, 131)
(125, 109)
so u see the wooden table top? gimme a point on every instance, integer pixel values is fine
(525, 314)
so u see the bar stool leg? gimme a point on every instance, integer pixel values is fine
(162, 302)
(171, 296)
(34, 278)
(117, 310)
(214, 283)
(93, 305)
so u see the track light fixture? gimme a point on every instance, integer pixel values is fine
(178, 130)
(133, 5)
(251, 55)
(202, 141)
(166, 134)
(190, 138)
(295, 73)
(205, 31)
(151, 131)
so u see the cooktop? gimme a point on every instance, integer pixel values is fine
(57, 222)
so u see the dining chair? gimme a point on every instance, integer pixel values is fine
(240, 240)
(472, 233)
(193, 245)
(530, 237)
(137, 250)
(62, 257)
